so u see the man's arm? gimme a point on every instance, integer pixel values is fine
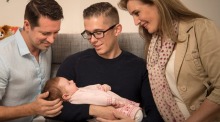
(8, 113)
(120, 116)
(73, 112)
(38, 107)
(148, 104)
(85, 105)
(105, 112)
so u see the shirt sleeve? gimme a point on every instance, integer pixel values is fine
(3, 79)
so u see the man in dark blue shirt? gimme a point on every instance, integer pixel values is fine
(106, 63)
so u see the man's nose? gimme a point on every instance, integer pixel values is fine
(93, 39)
(51, 38)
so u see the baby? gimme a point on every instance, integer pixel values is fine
(97, 94)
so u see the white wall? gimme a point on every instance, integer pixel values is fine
(13, 12)
(208, 8)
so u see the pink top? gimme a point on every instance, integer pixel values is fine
(93, 94)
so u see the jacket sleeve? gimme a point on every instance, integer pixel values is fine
(148, 104)
(208, 39)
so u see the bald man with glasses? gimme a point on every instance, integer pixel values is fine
(106, 63)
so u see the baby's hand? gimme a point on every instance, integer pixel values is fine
(103, 87)
(106, 87)
(117, 103)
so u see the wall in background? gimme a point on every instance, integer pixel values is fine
(13, 12)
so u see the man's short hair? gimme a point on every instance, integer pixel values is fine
(46, 8)
(102, 9)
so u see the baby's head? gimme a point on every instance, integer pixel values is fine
(60, 87)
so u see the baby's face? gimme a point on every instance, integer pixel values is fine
(68, 86)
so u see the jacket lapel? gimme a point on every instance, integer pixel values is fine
(182, 45)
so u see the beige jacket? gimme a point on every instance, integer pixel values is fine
(197, 62)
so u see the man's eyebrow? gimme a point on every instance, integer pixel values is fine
(49, 31)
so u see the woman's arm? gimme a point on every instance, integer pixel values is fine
(207, 112)
(208, 37)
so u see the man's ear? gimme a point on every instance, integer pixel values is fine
(66, 96)
(27, 25)
(118, 29)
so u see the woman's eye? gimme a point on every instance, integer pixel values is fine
(136, 13)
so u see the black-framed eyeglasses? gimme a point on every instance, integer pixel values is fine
(98, 34)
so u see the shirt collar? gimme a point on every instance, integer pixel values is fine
(22, 46)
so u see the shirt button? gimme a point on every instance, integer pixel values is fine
(183, 88)
(193, 107)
